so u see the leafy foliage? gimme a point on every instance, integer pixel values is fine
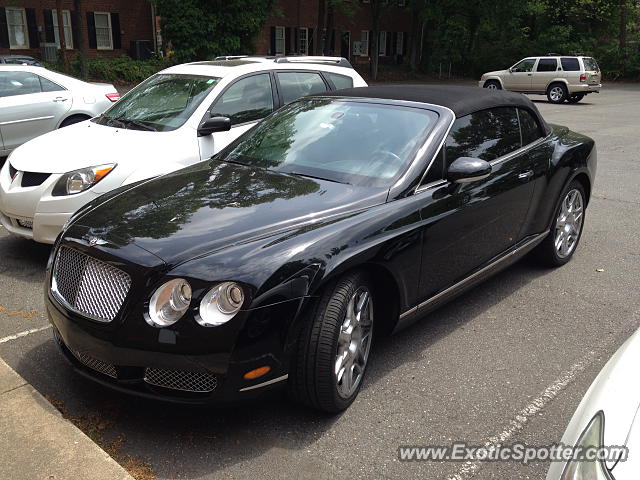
(202, 29)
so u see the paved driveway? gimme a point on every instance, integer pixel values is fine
(510, 359)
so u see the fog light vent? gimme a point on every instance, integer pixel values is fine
(198, 382)
(25, 223)
(95, 364)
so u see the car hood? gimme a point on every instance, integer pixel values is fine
(87, 144)
(616, 392)
(495, 73)
(212, 205)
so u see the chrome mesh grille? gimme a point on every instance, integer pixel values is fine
(89, 286)
(95, 364)
(181, 380)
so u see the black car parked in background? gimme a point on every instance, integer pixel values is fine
(19, 60)
(336, 217)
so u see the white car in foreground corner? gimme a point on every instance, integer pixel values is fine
(34, 100)
(607, 416)
(169, 121)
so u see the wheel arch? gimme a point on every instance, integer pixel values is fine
(83, 115)
(562, 81)
(495, 79)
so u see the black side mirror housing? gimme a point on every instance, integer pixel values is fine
(214, 124)
(467, 169)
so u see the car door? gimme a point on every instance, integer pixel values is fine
(518, 77)
(245, 101)
(546, 70)
(293, 85)
(468, 224)
(30, 105)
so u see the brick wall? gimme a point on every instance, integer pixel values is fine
(134, 17)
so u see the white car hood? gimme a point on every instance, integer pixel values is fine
(496, 73)
(87, 144)
(615, 391)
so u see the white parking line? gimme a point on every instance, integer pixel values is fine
(23, 334)
(469, 469)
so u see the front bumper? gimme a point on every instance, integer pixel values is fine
(101, 356)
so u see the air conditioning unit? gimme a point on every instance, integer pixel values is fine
(49, 52)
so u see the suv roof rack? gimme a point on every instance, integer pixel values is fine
(337, 61)
(552, 54)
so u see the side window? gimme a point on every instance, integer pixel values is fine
(529, 127)
(49, 86)
(570, 64)
(247, 100)
(18, 83)
(487, 134)
(547, 65)
(340, 81)
(525, 65)
(294, 85)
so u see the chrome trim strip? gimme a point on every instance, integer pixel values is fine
(519, 151)
(464, 281)
(27, 120)
(264, 384)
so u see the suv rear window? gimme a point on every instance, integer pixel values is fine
(570, 64)
(547, 65)
(590, 64)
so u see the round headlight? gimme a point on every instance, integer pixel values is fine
(220, 304)
(169, 303)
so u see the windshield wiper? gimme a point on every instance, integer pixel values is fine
(298, 174)
(110, 121)
(135, 123)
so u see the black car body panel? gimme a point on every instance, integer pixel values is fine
(285, 237)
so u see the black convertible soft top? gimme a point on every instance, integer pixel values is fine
(461, 100)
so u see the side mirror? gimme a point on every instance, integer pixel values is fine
(214, 124)
(511, 70)
(466, 169)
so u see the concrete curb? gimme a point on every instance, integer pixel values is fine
(38, 443)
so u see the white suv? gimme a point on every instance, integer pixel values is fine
(176, 118)
(559, 77)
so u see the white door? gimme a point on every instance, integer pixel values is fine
(245, 102)
(30, 105)
(519, 77)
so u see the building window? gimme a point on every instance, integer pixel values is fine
(303, 40)
(402, 3)
(66, 22)
(280, 45)
(104, 38)
(17, 26)
(364, 39)
(382, 44)
(400, 43)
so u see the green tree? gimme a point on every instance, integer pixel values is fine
(202, 29)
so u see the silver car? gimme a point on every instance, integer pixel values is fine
(34, 100)
(559, 77)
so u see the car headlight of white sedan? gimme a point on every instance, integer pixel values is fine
(80, 180)
(592, 438)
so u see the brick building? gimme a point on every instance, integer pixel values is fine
(292, 28)
(107, 26)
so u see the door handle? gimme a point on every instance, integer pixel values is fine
(529, 74)
(60, 99)
(525, 176)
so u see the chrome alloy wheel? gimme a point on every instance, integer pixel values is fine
(492, 86)
(354, 342)
(569, 223)
(556, 93)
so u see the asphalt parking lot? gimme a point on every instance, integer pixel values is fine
(510, 359)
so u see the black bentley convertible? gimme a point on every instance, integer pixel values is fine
(336, 218)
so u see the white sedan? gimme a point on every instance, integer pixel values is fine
(34, 100)
(607, 416)
(174, 119)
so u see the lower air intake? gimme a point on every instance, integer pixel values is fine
(198, 382)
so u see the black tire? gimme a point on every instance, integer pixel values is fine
(73, 119)
(547, 252)
(575, 98)
(492, 84)
(312, 379)
(557, 93)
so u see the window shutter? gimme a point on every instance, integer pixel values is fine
(389, 39)
(404, 42)
(32, 26)
(49, 35)
(272, 43)
(310, 42)
(4, 29)
(333, 41)
(115, 31)
(287, 41)
(370, 37)
(91, 30)
(74, 28)
(296, 40)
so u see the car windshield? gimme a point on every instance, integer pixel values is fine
(338, 140)
(162, 102)
(590, 64)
